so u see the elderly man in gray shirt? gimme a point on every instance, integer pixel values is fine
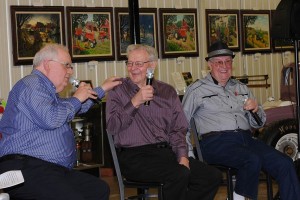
(223, 111)
(151, 138)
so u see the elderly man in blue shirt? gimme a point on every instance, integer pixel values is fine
(36, 136)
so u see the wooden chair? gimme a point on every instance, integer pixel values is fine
(142, 187)
(230, 172)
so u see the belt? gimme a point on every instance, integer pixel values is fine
(203, 136)
(161, 145)
(215, 133)
(14, 157)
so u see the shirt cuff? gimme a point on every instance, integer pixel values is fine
(76, 103)
(100, 92)
(130, 109)
(182, 153)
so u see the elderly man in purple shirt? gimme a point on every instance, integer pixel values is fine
(151, 138)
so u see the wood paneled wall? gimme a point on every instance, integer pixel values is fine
(270, 64)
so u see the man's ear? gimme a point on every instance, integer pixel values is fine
(209, 64)
(46, 65)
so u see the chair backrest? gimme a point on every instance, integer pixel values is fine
(196, 139)
(116, 163)
(4, 196)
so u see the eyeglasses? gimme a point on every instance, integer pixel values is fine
(139, 64)
(222, 63)
(66, 65)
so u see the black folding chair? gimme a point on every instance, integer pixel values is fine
(142, 187)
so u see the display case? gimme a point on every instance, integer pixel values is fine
(93, 123)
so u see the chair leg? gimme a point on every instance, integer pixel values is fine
(141, 193)
(122, 193)
(269, 187)
(160, 193)
(229, 185)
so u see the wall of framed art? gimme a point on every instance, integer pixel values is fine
(111, 62)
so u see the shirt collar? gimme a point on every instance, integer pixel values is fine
(133, 85)
(229, 82)
(44, 78)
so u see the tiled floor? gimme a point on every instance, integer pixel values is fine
(221, 195)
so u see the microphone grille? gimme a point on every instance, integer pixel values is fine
(75, 82)
(150, 72)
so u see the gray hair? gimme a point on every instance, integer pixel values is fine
(48, 52)
(153, 56)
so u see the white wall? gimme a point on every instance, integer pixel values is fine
(244, 64)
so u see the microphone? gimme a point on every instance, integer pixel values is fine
(75, 83)
(149, 75)
(254, 115)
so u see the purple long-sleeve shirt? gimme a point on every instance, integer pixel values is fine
(162, 121)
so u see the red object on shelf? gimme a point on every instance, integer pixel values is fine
(1, 109)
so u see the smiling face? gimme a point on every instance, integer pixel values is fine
(221, 68)
(137, 64)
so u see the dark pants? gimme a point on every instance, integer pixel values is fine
(47, 181)
(161, 165)
(250, 156)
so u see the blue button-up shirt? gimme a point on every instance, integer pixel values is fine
(36, 121)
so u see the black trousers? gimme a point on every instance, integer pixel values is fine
(160, 164)
(47, 181)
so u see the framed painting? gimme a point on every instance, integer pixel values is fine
(223, 25)
(148, 29)
(33, 28)
(256, 31)
(178, 28)
(90, 33)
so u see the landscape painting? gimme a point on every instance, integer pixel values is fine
(223, 25)
(256, 31)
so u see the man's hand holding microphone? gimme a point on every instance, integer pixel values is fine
(146, 92)
(252, 106)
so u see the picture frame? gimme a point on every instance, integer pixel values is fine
(223, 25)
(178, 28)
(34, 27)
(90, 33)
(89, 82)
(256, 37)
(148, 29)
